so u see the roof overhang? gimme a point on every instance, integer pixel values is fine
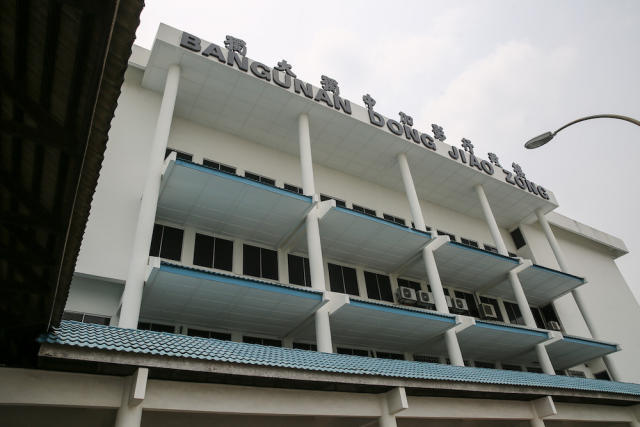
(220, 301)
(223, 97)
(61, 70)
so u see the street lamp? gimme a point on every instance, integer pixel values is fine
(542, 139)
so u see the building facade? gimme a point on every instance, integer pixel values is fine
(261, 250)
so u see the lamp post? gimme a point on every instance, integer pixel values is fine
(542, 139)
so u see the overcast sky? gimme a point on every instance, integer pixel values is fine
(495, 72)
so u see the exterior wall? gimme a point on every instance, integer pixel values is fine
(106, 246)
(32, 397)
(609, 300)
(94, 296)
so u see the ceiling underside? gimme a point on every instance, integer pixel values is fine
(61, 67)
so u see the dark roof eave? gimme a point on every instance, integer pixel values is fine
(119, 44)
(89, 360)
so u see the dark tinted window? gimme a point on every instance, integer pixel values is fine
(485, 365)
(343, 279)
(395, 219)
(293, 188)
(269, 263)
(513, 311)
(299, 273)
(259, 178)
(602, 375)
(409, 284)
(549, 313)
(262, 341)
(305, 346)
(203, 250)
(67, 315)
(339, 202)
(166, 242)
(99, 320)
(223, 254)
(171, 247)
(251, 260)
(471, 302)
(180, 155)
(209, 334)
(364, 210)
(452, 237)
(468, 242)
(213, 252)
(496, 306)
(260, 262)
(352, 351)
(425, 358)
(219, 166)
(156, 238)
(158, 327)
(378, 286)
(490, 248)
(386, 355)
(538, 317)
(508, 367)
(518, 238)
(534, 369)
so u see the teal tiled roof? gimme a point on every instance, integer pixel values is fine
(77, 334)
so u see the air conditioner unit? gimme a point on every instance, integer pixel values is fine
(554, 326)
(460, 303)
(424, 298)
(489, 310)
(406, 296)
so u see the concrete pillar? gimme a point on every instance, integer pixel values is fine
(410, 190)
(536, 422)
(529, 320)
(306, 163)
(132, 294)
(544, 360)
(577, 294)
(133, 392)
(491, 221)
(551, 238)
(316, 264)
(450, 337)
(391, 403)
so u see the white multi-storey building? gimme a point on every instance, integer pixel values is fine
(263, 251)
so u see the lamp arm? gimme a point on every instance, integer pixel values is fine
(600, 116)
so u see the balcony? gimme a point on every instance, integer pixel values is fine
(230, 204)
(221, 301)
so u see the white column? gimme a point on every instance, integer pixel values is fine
(544, 360)
(450, 337)
(536, 422)
(521, 298)
(551, 238)
(527, 315)
(316, 264)
(306, 163)
(133, 392)
(577, 294)
(491, 221)
(132, 294)
(410, 190)
(316, 268)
